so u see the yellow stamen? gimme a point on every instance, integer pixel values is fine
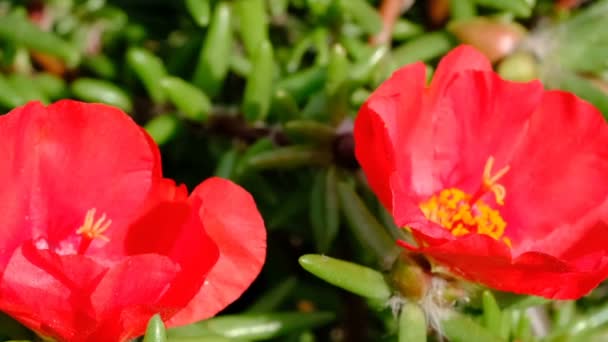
(94, 229)
(462, 213)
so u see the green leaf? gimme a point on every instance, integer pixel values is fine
(405, 29)
(226, 165)
(278, 8)
(155, 332)
(17, 29)
(290, 157)
(422, 48)
(52, 86)
(259, 88)
(580, 43)
(565, 312)
(206, 338)
(331, 209)
(243, 165)
(310, 130)
(355, 47)
(462, 9)
(338, 84)
(292, 207)
(271, 299)
(240, 65)
(297, 52)
(94, 90)
(321, 37)
(303, 84)
(27, 88)
(366, 16)
(363, 70)
(254, 327)
(324, 209)
(317, 211)
(163, 128)
(520, 8)
(190, 100)
(284, 106)
(214, 58)
(150, 70)
(584, 324)
(253, 23)
(196, 333)
(9, 96)
(200, 10)
(101, 65)
(522, 326)
(412, 323)
(360, 280)
(513, 301)
(460, 328)
(365, 226)
(492, 317)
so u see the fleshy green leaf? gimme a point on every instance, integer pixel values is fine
(155, 332)
(94, 90)
(187, 98)
(272, 298)
(214, 58)
(258, 91)
(412, 323)
(254, 327)
(460, 328)
(289, 157)
(354, 278)
(492, 317)
(150, 69)
(364, 225)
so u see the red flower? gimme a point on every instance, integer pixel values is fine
(503, 183)
(95, 241)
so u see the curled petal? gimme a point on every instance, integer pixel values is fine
(231, 219)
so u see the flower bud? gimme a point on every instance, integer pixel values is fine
(410, 276)
(494, 38)
(519, 67)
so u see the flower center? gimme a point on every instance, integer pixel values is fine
(92, 229)
(462, 213)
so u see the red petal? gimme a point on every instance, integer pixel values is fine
(48, 293)
(557, 185)
(129, 294)
(460, 59)
(232, 220)
(65, 159)
(73, 298)
(380, 126)
(469, 129)
(479, 258)
(460, 133)
(176, 231)
(592, 240)
(157, 172)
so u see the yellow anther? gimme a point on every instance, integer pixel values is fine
(94, 229)
(451, 209)
(462, 213)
